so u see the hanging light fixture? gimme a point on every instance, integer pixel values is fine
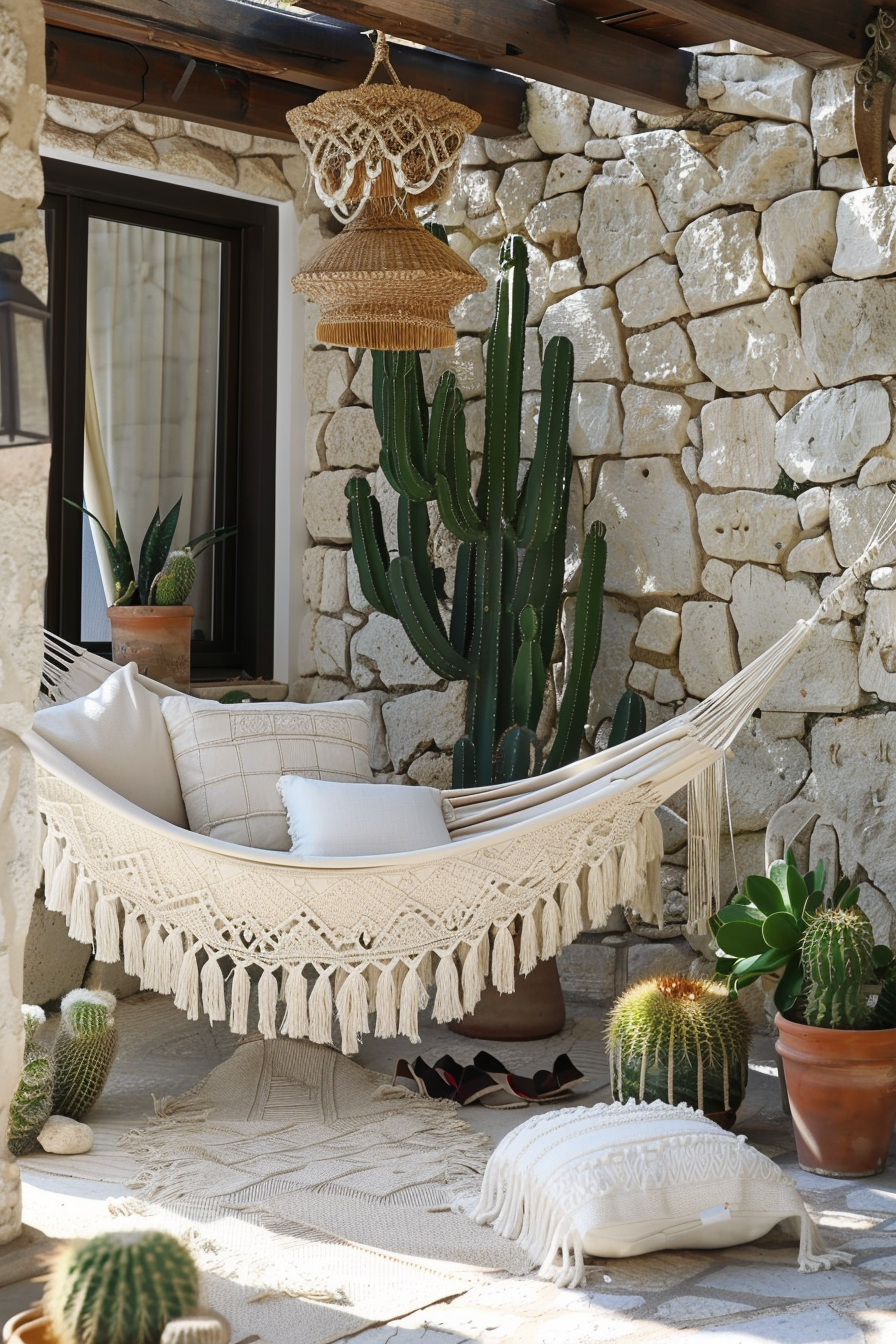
(24, 370)
(385, 283)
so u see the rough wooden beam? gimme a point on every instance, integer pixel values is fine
(537, 40)
(314, 52)
(816, 32)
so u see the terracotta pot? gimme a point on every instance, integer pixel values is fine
(157, 639)
(842, 1091)
(29, 1327)
(534, 1010)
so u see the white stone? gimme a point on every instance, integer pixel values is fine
(707, 656)
(866, 233)
(701, 392)
(325, 506)
(595, 420)
(813, 507)
(611, 673)
(424, 720)
(63, 1135)
(747, 525)
(555, 220)
(669, 689)
(755, 86)
(512, 149)
(352, 438)
(828, 434)
(362, 383)
(831, 116)
(521, 187)
(655, 421)
(570, 172)
(233, 142)
(719, 260)
(798, 236)
(356, 599)
(884, 577)
(609, 120)
(331, 647)
(659, 631)
(433, 770)
(565, 276)
(753, 348)
(315, 449)
(312, 575)
(479, 187)
(649, 294)
(487, 227)
(333, 585)
(602, 148)
(328, 376)
(464, 360)
(60, 137)
(651, 528)
(841, 175)
(382, 649)
(476, 312)
(642, 678)
(260, 176)
(663, 356)
(739, 444)
(127, 147)
(184, 157)
(558, 119)
(814, 555)
(877, 471)
(689, 463)
(91, 118)
(53, 963)
(877, 655)
(765, 773)
(590, 320)
(849, 329)
(619, 229)
(623, 171)
(716, 578)
(823, 676)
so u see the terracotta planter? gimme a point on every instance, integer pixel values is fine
(157, 639)
(842, 1091)
(29, 1327)
(534, 1010)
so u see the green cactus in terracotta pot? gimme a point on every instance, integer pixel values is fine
(32, 1101)
(838, 964)
(83, 1051)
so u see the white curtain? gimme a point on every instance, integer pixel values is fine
(153, 319)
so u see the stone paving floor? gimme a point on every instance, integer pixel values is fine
(751, 1294)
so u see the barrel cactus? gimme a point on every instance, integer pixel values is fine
(838, 963)
(83, 1051)
(120, 1288)
(509, 581)
(32, 1102)
(173, 584)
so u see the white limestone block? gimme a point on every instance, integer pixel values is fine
(556, 219)
(512, 149)
(854, 515)
(866, 233)
(707, 655)
(689, 463)
(828, 434)
(479, 188)
(464, 360)
(719, 259)
(739, 444)
(260, 175)
(814, 507)
(331, 647)
(642, 678)
(619, 229)
(521, 188)
(191, 158)
(831, 115)
(765, 773)
(716, 578)
(669, 689)
(423, 720)
(655, 421)
(558, 119)
(487, 227)
(590, 320)
(603, 148)
(649, 294)
(315, 449)
(609, 120)
(877, 471)
(571, 172)
(841, 175)
(659, 631)
(747, 525)
(382, 649)
(651, 528)
(798, 236)
(849, 329)
(663, 356)
(63, 1135)
(565, 276)
(755, 86)
(135, 151)
(328, 375)
(352, 438)
(752, 348)
(877, 655)
(325, 506)
(333, 582)
(611, 673)
(813, 555)
(90, 118)
(884, 577)
(595, 420)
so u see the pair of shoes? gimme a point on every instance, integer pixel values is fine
(487, 1081)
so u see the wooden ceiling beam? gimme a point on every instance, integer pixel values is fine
(816, 32)
(312, 52)
(537, 40)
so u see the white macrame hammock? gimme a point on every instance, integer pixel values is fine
(556, 852)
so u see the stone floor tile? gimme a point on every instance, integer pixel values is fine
(777, 1281)
(612, 1301)
(682, 1309)
(594, 1328)
(819, 1325)
(873, 1199)
(808, 1180)
(654, 1273)
(884, 1264)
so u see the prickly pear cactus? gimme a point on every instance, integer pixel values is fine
(174, 584)
(837, 954)
(32, 1102)
(675, 1039)
(120, 1288)
(83, 1051)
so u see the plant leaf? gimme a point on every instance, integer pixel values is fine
(741, 939)
(797, 892)
(765, 894)
(790, 986)
(781, 930)
(155, 548)
(199, 544)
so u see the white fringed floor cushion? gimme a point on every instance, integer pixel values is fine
(624, 1179)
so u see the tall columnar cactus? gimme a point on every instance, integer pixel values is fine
(32, 1102)
(120, 1288)
(510, 564)
(838, 963)
(83, 1051)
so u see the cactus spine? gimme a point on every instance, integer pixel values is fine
(838, 965)
(674, 1039)
(83, 1051)
(32, 1102)
(173, 584)
(509, 580)
(120, 1288)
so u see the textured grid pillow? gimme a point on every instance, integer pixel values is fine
(230, 757)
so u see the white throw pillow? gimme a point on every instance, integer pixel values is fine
(624, 1179)
(346, 820)
(117, 734)
(230, 757)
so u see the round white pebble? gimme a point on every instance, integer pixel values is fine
(62, 1135)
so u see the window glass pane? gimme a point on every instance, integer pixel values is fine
(31, 354)
(153, 320)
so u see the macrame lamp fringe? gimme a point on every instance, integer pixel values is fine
(704, 824)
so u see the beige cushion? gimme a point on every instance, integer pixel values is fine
(230, 757)
(338, 820)
(117, 734)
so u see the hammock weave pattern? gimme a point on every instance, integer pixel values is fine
(388, 935)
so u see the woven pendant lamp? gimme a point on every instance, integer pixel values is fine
(385, 283)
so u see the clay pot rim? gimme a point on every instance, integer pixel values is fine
(141, 611)
(836, 1046)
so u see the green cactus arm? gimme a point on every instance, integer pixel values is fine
(464, 763)
(585, 649)
(517, 754)
(540, 583)
(452, 510)
(402, 431)
(504, 386)
(369, 545)
(378, 383)
(155, 548)
(440, 422)
(430, 642)
(413, 543)
(462, 608)
(491, 648)
(120, 563)
(452, 466)
(629, 719)
(528, 673)
(541, 506)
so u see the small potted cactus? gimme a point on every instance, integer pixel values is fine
(83, 1051)
(151, 621)
(836, 1020)
(32, 1102)
(673, 1038)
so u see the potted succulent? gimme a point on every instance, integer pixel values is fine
(151, 621)
(836, 1020)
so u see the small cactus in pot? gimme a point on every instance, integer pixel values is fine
(32, 1102)
(83, 1051)
(838, 964)
(674, 1039)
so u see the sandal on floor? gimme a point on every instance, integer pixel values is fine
(477, 1085)
(563, 1076)
(512, 1083)
(547, 1085)
(425, 1080)
(449, 1069)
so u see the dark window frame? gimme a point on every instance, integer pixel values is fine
(245, 473)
